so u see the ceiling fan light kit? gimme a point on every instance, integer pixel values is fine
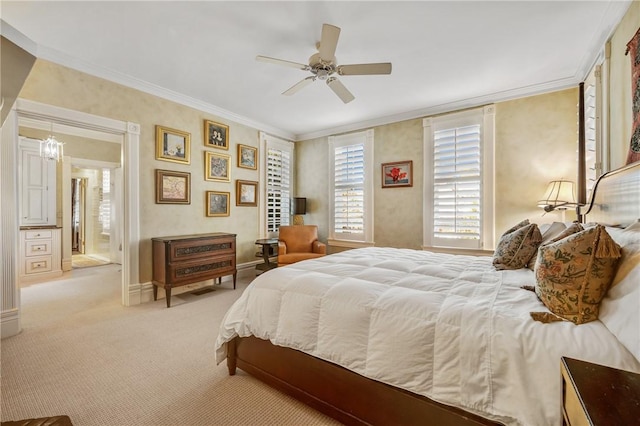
(323, 65)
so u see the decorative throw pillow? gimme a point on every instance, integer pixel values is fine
(517, 246)
(553, 234)
(574, 274)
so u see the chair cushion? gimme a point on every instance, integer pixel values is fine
(298, 238)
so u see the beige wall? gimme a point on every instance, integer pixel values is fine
(535, 142)
(529, 132)
(56, 85)
(620, 87)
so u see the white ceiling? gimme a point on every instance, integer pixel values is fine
(446, 55)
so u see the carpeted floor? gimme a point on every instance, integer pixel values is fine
(84, 355)
(86, 260)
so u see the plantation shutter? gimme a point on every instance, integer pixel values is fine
(278, 188)
(590, 136)
(457, 186)
(349, 189)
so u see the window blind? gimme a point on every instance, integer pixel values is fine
(590, 136)
(457, 183)
(104, 216)
(278, 188)
(349, 189)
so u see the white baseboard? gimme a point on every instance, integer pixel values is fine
(142, 293)
(10, 323)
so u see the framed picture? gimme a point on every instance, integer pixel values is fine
(397, 174)
(173, 145)
(246, 193)
(217, 204)
(217, 167)
(216, 135)
(247, 157)
(173, 187)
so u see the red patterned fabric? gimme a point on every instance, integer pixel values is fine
(633, 47)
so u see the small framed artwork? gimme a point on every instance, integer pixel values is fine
(246, 193)
(173, 187)
(173, 145)
(397, 174)
(247, 157)
(217, 203)
(216, 135)
(217, 167)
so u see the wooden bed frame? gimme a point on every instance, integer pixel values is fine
(356, 400)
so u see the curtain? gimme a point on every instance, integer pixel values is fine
(633, 48)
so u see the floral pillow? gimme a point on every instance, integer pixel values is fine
(574, 274)
(553, 234)
(517, 246)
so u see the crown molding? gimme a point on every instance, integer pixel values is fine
(466, 103)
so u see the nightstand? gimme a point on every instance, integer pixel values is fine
(596, 395)
(268, 249)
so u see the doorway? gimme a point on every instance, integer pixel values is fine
(94, 229)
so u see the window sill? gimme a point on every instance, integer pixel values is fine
(349, 244)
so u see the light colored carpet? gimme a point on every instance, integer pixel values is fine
(84, 355)
(86, 260)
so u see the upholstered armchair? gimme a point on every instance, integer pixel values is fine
(299, 242)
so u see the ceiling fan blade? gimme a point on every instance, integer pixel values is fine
(299, 85)
(328, 42)
(365, 69)
(282, 62)
(339, 89)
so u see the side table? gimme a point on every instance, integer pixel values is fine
(268, 249)
(596, 395)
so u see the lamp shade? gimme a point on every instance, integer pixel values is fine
(299, 205)
(559, 194)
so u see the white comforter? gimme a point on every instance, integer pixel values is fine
(451, 328)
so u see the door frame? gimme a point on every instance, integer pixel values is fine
(130, 139)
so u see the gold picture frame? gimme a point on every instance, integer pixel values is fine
(247, 157)
(173, 145)
(216, 135)
(217, 203)
(246, 193)
(173, 187)
(217, 167)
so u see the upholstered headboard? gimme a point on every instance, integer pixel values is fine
(616, 197)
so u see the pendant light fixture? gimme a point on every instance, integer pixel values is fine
(50, 148)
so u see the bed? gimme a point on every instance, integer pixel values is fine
(397, 336)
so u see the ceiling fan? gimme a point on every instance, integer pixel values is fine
(323, 66)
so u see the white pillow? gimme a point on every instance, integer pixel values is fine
(620, 309)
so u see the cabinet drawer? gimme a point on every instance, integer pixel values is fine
(36, 234)
(38, 264)
(37, 247)
(201, 248)
(200, 270)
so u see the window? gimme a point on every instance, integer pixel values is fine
(351, 198)
(104, 215)
(277, 158)
(458, 210)
(592, 123)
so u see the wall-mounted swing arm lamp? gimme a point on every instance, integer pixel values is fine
(560, 195)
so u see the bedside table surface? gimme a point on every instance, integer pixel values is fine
(609, 396)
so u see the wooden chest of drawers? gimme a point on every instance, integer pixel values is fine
(188, 259)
